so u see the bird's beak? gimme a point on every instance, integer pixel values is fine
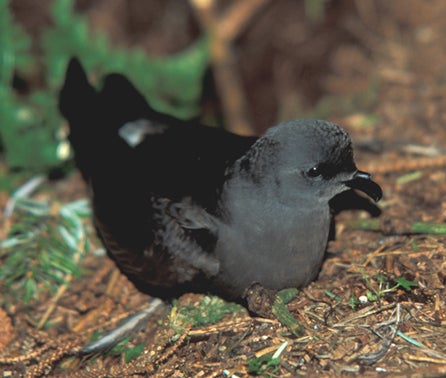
(363, 182)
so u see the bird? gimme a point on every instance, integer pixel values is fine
(181, 206)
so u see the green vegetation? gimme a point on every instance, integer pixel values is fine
(27, 129)
(282, 313)
(374, 224)
(267, 365)
(129, 352)
(381, 285)
(31, 129)
(209, 310)
(44, 247)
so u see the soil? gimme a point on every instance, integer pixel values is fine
(377, 68)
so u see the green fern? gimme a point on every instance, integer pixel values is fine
(42, 247)
(172, 84)
(21, 119)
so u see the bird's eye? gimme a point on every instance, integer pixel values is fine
(314, 172)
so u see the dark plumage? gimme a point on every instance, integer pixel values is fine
(180, 206)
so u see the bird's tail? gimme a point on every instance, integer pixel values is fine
(79, 103)
(95, 117)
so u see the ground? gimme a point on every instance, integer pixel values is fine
(377, 68)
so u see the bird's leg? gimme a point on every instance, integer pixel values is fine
(260, 300)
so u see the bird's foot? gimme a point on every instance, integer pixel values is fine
(260, 300)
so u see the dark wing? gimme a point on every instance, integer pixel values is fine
(189, 161)
(135, 158)
(176, 256)
(186, 232)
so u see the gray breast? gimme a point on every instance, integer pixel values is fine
(278, 248)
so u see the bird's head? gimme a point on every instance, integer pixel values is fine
(305, 159)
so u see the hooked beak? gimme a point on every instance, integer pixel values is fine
(363, 182)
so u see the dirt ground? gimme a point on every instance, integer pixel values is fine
(378, 68)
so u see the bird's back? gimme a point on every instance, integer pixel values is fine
(174, 160)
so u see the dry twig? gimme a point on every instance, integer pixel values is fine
(222, 31)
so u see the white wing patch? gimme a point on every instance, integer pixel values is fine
(134, 132)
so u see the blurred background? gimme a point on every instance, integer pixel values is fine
(244, 65)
